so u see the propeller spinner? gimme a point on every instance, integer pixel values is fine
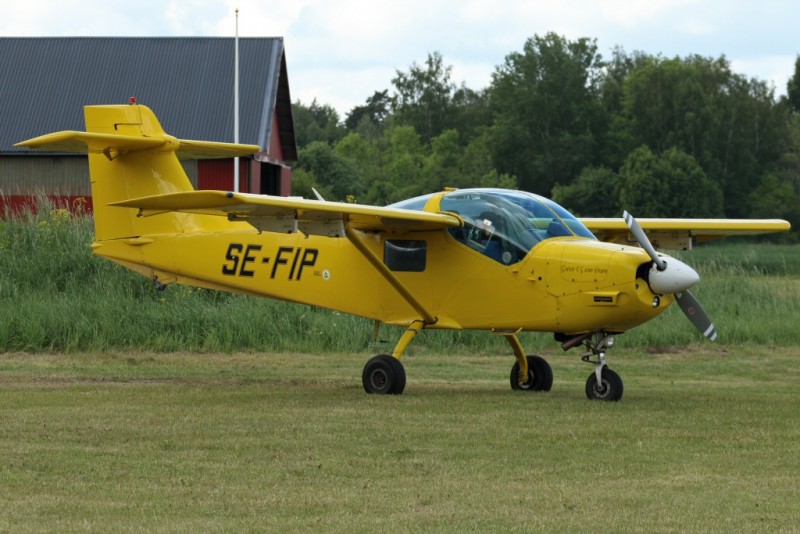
(673, 276)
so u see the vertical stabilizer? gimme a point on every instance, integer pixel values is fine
(130, 156)
(118, 174)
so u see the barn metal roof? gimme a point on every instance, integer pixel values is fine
(187, 82)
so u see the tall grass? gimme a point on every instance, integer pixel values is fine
(56, 296)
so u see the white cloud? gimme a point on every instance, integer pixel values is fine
(774, 69)
(341, 52)
(632, 13)
(192, 17)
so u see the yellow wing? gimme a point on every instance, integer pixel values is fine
(680, 233)
(286, 215)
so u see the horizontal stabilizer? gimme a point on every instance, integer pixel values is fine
(83, 142)
(210, 150)
(115, 144)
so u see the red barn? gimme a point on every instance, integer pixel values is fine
(189, 84)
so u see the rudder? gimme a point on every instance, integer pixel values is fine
(118, 174)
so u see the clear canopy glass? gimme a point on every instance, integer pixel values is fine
(502, 224)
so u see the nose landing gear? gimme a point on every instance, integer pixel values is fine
(603, 383)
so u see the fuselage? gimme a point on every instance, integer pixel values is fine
(529, 277)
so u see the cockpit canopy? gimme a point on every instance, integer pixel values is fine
(504, 225)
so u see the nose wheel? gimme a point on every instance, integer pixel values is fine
(603, 384)
(608, 388)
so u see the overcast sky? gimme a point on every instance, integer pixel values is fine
(341, 51)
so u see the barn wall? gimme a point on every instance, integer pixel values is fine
(190, 167)
(217, 174)
(23, 178)
(56, 175)
(286, 181)
(275, 148)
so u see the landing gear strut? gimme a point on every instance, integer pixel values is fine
(603, 383)
(384, 374)
(530, 373)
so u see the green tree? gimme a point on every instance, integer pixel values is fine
(775, 198)
(729, 124)
(477, 166)
(367, 158)
(316, 122)
(671, 184)
(440, 167)
(328, 171)
(547, 112)
(778, 193)
(375, 112)
(423, 97)
(304, 182)
(405, 157)
(618, 141)
(471, 113)
(594, 194)
(793, 87)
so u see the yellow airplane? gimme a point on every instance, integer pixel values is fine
(486, 259)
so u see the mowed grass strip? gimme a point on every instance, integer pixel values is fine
(705, 439)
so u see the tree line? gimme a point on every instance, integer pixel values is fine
(660, 137)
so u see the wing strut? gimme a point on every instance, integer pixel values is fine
(355, 237)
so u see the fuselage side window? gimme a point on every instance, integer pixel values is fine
(408, 255)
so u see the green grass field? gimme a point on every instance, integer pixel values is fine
(705, 440)
(127, 409)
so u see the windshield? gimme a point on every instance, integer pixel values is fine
(414, 204)
(505, 225)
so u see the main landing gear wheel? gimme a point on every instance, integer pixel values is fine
(384, 375)
(540, 375)
(609, 388)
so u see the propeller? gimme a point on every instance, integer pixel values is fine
(697, 315)
(673, 276)
(644, 242)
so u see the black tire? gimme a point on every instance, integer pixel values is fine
(540, 375)
(384, 375)
(399, 375)
(610, 388)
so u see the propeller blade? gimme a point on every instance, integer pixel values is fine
(644, 242)
(677, 280)
(697, 315)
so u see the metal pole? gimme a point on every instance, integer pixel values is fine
(236, 104)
